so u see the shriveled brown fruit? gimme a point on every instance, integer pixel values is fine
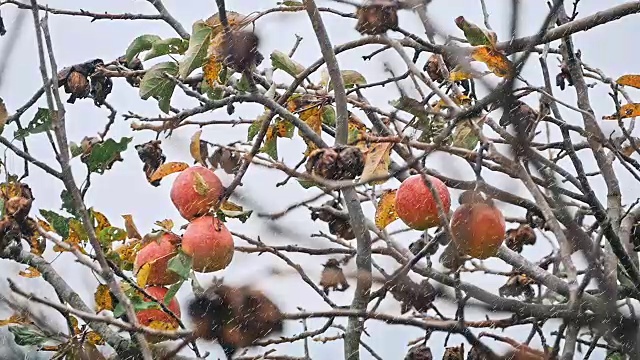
(75, 79)
(454, 353)
(476, 353)
(419, 352)
(151, 155)
(377, 17)
(413, 295)
(337, 163)
(519, 237)
(332, 277)
(433, 68)
(235, 317)
(523, 118)
(135, 64)
(238, 49)
(518, 285)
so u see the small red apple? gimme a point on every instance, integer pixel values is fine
(478, 229)
(416, 206)
(147, 316)
(195, 190)
(158, 253)
(209, 244)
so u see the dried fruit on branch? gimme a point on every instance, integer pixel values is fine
(519, 237)
(337, 163)
(235, 317)
(518, 285)
(151, 155)
(238, 49)
(434, 69)
(454, 353)
(377, 17)
(332, 277)
(419, 352)
(75, 79)
(413, 295)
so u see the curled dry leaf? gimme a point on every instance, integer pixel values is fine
(378, 158)
(519, 237)
(16, 318)
(168, 169)
(419, 352)
(338, 163)
(166, 224)
(131, 228)
(377, 17)
(30, 272)
(629, 80)
(103, 298)
(386, 209)
(518, 285)
(226, 159)
(454, 353)
(332, 277)
(199, 149)
(626, 111)
(152, 157)
(496, 61)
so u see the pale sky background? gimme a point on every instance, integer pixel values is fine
(124, 189)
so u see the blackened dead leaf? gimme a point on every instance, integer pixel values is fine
(151, 155)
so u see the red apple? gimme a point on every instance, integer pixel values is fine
(195, 190)
(145, 317)
(158, 253)
(416, 206)
(209, 244)
(478, 229)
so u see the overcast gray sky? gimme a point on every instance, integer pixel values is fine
(124, 190)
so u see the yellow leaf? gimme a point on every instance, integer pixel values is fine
(194, 148)
(459, 73)
(103, 298)
(496, 61)
(4, 115)
(128, 252)
(101, 221)
(166, 224)
(45, 225)
(15, 319)
(377, 162)
(130, 226)
(76, 237)
(313, 118)
(229, 206)
(30, 273)
(37, 244)
(168, 169)
(212, 70)
(386, 210)
(94, 338)
(629, 80)
(74, 323)
(143, 275)
(10, 189)
(163, 325)
(626, 111)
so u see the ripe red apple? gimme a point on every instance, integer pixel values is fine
(415, 204)
(145, 317)
(158, 253)
(209, 243)
(478, 229)
(195, 190)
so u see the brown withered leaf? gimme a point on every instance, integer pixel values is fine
(377, 17)
(454, 353)
(30, 272)
(518, 285)
(332, 277)
(152, 157)
(130, 227)
(419, 352)
(377, 162)
(519, 237)
(199, 149)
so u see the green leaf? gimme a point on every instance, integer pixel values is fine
(75, 149)
(474, 34)
(270, 146)
(140, 44)
(104, 154)
(290, 3)
(40, 123)
(282, 61)
(616, 356)
(173, 290)
(465, 136)
(243, 84)
(181, 264)
(254, 129)
(167, 46)
(111, 234)
(306, 183)
(155, 84)
(197, 51)
(329, 115)
(350, 78)
(59, 223)
(67, 203)
(25, 336)
(411, 106)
